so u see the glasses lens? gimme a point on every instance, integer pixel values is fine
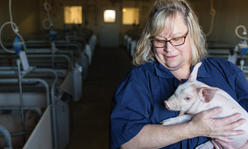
(159, 43)
(177, 41)
(174, 41)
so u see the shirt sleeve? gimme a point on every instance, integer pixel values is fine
(242, 90)
(130, 110)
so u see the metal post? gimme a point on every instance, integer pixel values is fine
(21, 96)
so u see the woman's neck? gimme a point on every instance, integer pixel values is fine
(182, 73)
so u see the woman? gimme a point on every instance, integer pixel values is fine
(171, 44)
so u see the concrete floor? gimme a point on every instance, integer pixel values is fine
(90, 115)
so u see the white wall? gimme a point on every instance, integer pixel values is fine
(229, 14)
(25, 14)
(91, 13)
(29, 14)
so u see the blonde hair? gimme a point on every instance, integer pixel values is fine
(162, 15)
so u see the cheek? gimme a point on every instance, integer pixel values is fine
(158, 50)
(181, 102)
(188, 45)
(186, 102)
(186, 49)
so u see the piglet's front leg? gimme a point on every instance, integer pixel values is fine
(177, 120)
(207, 145)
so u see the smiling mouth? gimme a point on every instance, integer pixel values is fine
(170, 57)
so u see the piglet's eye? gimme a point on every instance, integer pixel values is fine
(187, 98)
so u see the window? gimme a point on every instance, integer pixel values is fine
(130, 16)
(73, 14)
(109, 16)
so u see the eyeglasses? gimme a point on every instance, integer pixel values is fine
(178, 41)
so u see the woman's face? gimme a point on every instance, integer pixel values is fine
(174, 57)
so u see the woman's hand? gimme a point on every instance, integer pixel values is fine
(203, 125)
(218, 143)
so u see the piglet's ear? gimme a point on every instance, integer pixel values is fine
(206, 94)
(193, 74)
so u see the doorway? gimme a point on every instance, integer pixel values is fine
(109, 27)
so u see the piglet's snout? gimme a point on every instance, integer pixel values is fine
(172, 104)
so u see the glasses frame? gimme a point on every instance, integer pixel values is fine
(170, 40)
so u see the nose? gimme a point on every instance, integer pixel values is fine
(169, 47)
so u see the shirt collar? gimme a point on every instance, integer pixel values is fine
(163, 72)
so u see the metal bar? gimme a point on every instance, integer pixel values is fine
(28, 71)
(44, 55)
(30, 80)
(46, 70)
(57, 55)
(7, 136)
(21, 96)
(215, 51)
(52, 105)
(54, 124)
(25, 108)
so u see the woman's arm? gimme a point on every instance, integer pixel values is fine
(157, 136)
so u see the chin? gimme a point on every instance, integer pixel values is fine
(172, 66)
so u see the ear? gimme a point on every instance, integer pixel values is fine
(193, 74)
(206, 94)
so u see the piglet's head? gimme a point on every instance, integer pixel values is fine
(183, 98)
(188, 94)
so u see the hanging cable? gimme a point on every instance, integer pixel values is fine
(242, 46)
(212, 13)
(17, 45)
(47, 8)
(244, 32)
(15, 29)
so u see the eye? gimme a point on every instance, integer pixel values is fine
(177, 39)
(187, 98)
(160, 41)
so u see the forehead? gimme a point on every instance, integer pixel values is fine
(185, 88)
(177, 28)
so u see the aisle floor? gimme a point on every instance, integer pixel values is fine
(90, 115)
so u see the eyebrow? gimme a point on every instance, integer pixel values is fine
(175, 35)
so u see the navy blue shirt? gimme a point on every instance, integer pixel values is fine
(139, 98)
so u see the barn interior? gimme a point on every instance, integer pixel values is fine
(61, 60)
